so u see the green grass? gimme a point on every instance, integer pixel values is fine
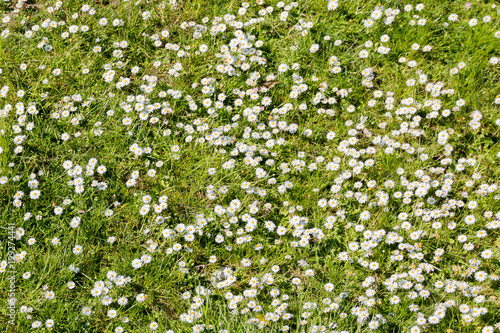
(81, 102)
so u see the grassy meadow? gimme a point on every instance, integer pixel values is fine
(262, 166)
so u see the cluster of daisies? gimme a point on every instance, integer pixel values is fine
(329, 196)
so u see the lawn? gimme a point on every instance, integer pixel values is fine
(263, 166)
